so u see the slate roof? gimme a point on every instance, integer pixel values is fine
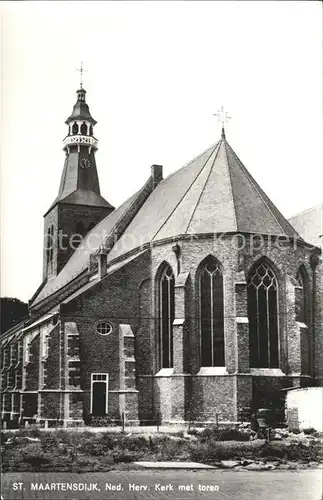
(213, 193)
(309, 224)
(79, 186)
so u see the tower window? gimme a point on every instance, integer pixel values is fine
(211, 313)
(167, 314)
(263, 318)
(75, 128)
(83, 129)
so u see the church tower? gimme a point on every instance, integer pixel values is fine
(79, 205)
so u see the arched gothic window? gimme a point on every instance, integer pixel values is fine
(167, 314)
(263, 317)
(75, 128)
(83, 129)
(301, 297)
(91, 130)
(211, 314)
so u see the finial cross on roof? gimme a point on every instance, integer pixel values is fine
(81, 70)
(223, 117)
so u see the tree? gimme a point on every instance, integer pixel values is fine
(12, 312)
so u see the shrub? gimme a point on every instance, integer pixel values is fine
(100, 421)
(309, 431)
(225, 434)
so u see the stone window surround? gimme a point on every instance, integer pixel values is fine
(273, 285)
(163, 266)
(209, 369)
(166, 273)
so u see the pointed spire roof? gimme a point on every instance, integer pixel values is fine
(214, 193)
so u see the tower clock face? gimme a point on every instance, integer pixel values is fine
(85, 163)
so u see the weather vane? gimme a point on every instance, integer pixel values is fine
(223, 118)
(81, 70)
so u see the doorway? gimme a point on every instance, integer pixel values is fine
(99, 394)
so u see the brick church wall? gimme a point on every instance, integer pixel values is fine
(228, 395)
(318, 359)
(129, 296)
(68, 218)
(51, 219)
(114, 299)
(50, 405)
(32, 368)
(52, 365)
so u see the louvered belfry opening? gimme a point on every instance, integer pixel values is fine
(211, 314)
(167, 315)
(263, 317)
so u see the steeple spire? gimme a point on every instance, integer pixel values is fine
(223, 133)
(79, 205)
(80, 181)
(223, 118)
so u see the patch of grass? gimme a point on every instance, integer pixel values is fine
(84, 451)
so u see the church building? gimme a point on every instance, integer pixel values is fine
(193, 301)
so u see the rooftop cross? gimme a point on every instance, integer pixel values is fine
(223, 117)
(81, 70)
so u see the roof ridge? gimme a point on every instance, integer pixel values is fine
(208, 176)
(132, 203)
(231, 184)
(189, 187)
(191, 161)
(265, 199)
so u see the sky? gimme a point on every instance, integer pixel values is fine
(156, 74)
